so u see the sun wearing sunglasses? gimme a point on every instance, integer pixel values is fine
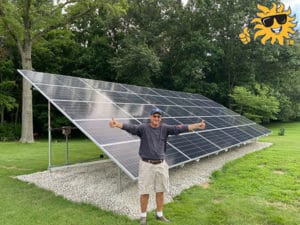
(269, 21)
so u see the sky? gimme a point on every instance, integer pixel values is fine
(295, 7)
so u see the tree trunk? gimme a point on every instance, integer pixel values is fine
(27, 122)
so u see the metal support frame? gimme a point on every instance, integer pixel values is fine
(66, 131)
(49, 136)
(67, 150)
(119, 180)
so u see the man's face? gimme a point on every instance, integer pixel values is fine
(155, 119)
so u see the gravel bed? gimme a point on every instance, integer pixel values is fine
(97, 183)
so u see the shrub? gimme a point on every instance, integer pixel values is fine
(10, 131)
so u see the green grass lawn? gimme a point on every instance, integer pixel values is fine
(262, 188)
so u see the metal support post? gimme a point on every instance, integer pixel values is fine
(67, 150)
(67, 131)
(119, 181)
(49, 136)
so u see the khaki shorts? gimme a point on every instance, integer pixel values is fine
(153, 177)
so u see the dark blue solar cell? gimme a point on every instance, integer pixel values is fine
(41, 78)
(72, 81)
(184, 95)
(197, 111)
(63, 93)
(100, 131)
(217, 122)
(213, 104)
(220, 138)
(228, 112)
(213, 111)
(119, 97)
(191, 120)
(261, 129)
(144, 120)
(198, 96)
(251, 131)
(200, 103)
(154, 99)
(234, 120)
(238, 134)
(89, 110)
(180, 101)
(244, 120)
(137, 111)
(105, 86)
(139, 90)
(165, 93)
(174, 111)
(192, 145)
(174, 157)
(171, 121)
(188, 120)
(219, 111)
(126, 156)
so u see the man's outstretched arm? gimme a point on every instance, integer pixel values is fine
(195, 126)
(130, 128)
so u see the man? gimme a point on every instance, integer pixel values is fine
(153, 169)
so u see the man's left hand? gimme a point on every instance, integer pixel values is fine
(202, 125)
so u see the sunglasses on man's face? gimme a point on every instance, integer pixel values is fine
(156, 116)
(269, 21)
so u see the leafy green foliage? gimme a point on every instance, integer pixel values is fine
(137, 65)
(194, 48)
(258, 105)
(59, 49)
(6, 101)
(7, 88)
(9, 131)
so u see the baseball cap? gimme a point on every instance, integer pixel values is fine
(156, 110)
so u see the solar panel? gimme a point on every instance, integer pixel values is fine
(90, 104)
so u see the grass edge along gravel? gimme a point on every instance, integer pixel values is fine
(260, 188)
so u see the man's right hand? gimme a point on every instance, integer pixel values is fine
(113, 123)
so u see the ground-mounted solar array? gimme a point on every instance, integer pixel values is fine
(90, 104)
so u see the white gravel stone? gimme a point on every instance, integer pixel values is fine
(97, 183)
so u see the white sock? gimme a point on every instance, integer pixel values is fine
(144, 214)
(159, 214)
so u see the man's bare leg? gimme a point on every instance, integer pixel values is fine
(159, 201)
(159, 207)
(144, 202)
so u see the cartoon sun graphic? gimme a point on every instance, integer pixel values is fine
(274, 24)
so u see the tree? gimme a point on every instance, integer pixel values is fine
(7, 101)
(59, 49)
(25, 22)
(7, 85)
(98, 35)
(136, 65)
(259, 104)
